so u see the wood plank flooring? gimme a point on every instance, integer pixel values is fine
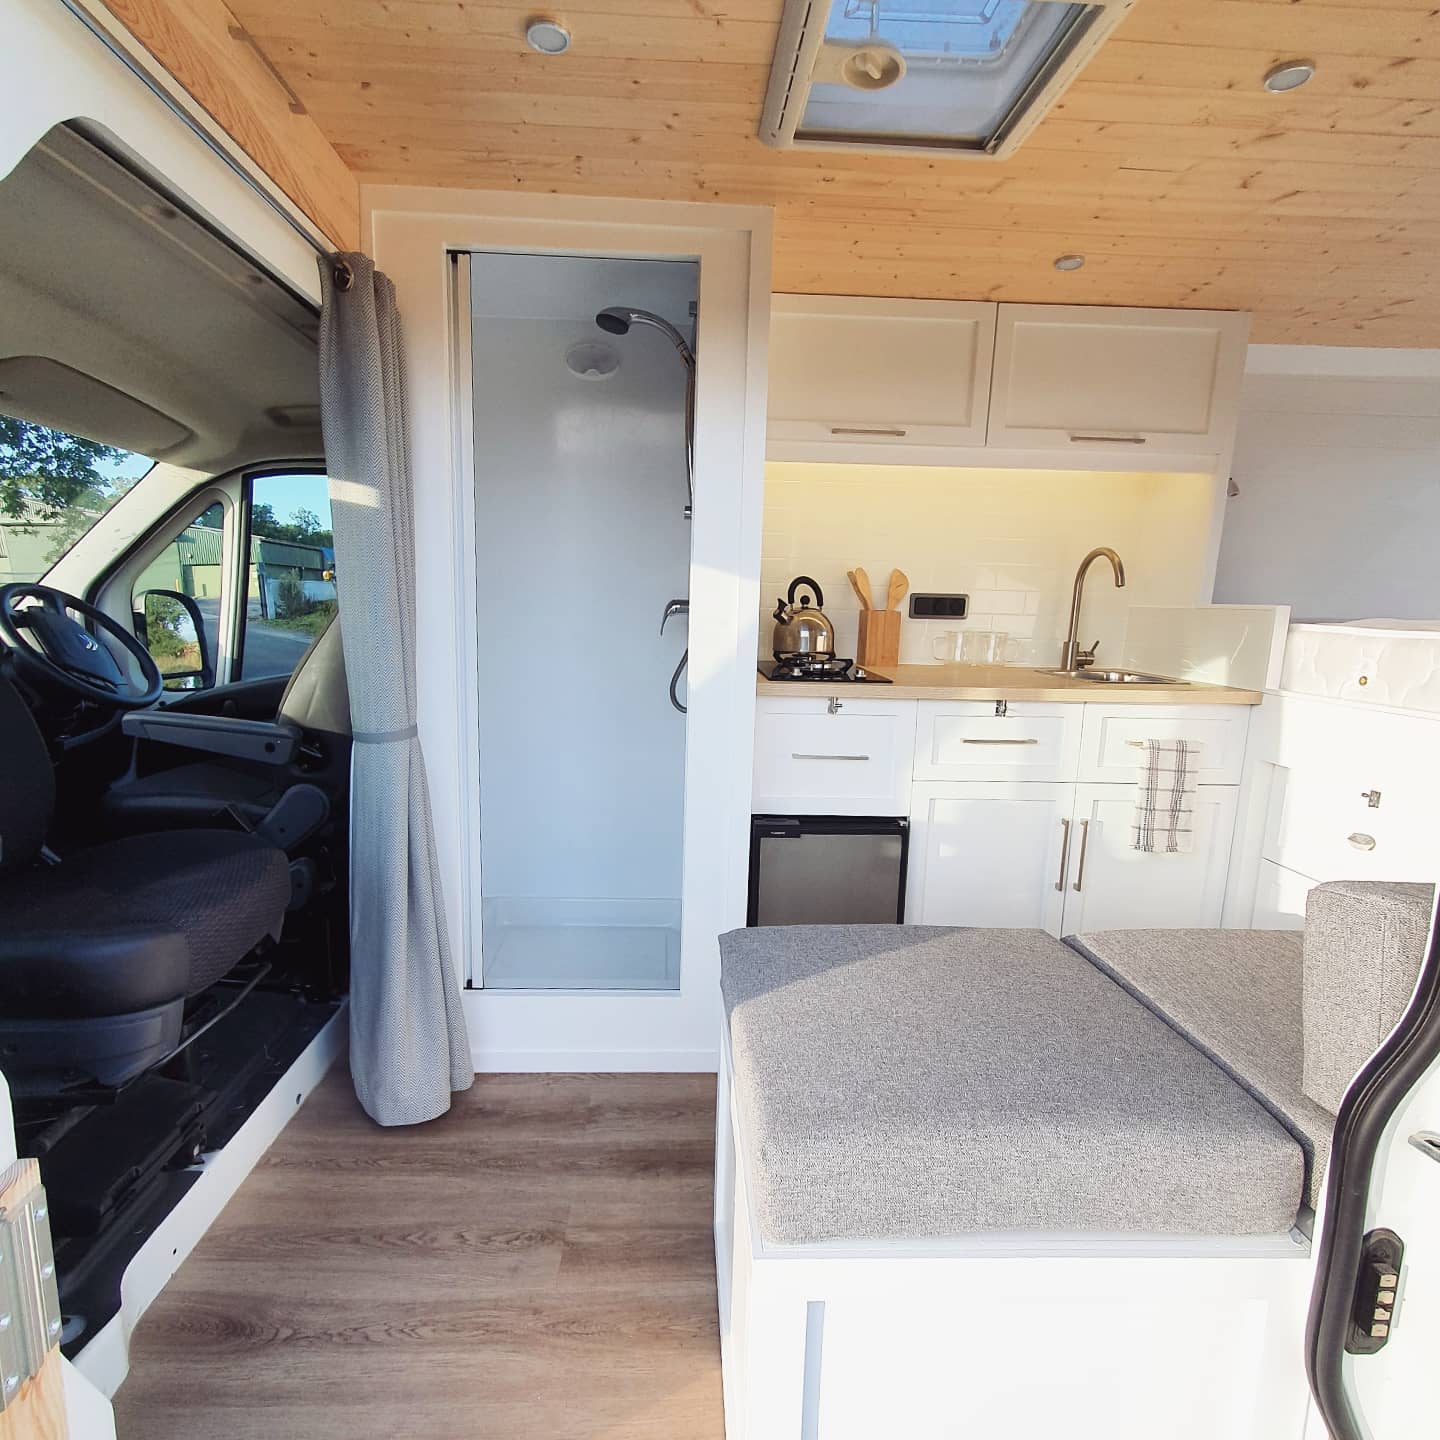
(536, 1263)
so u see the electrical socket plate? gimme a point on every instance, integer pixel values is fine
(939, 607)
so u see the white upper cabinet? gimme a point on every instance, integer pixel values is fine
(1099, 379)
(859, 373)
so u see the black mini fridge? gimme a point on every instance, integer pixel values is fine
(827, 870)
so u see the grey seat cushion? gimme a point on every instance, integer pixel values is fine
(1235, 994)
(1364, 944)
(924, 1082)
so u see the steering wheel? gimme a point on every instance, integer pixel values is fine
(52, 651)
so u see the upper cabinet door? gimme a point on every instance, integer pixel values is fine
(1108, 380)
(849, 374)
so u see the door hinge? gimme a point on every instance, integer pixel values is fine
(30, 1321)
(1376, 1290)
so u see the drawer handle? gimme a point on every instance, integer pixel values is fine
(1108, 439)
(887, 430)
(1361, 841)
(1064, 854)
(798, 755)
(1029, 740)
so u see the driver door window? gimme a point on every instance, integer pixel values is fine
(175, 601)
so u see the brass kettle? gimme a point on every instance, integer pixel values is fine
(802, 631)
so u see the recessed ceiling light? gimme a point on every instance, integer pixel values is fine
(549, 37)
(1289, 75)
(1069, 262)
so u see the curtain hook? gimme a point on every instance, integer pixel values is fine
(344, 276)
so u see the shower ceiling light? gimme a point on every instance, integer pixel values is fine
(969, 77)
(1069, 262)
(549, 37)
(592, 360)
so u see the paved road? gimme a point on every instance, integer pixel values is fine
(269, 650)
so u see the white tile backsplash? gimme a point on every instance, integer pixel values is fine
(1010, 539)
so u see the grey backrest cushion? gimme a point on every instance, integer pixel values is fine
(1364, 943)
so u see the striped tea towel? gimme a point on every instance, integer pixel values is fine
(1165, 802)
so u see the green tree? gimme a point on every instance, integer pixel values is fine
(50, 478)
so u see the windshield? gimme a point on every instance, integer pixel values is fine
(54, 487)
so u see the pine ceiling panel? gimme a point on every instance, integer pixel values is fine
(1166, 164)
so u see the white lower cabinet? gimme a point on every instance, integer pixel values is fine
(988, 853)
(1057, 857)
(1114, 887)
(1020, 819)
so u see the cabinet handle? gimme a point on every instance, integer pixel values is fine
(888, 430)
(1108, 439)
(1084, 846)
(798, 755)
(1064, 854)
(1029, 740)
(1361, 841)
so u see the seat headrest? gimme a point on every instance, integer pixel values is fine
(317, 697)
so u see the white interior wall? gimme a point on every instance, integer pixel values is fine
(581, 540)
(1337, 467)
(1010, 539)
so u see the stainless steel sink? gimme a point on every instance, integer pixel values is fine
(1114, 677)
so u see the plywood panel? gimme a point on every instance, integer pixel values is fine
(207, 50)
(1167, 164)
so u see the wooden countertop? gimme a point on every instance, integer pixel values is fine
(1011, 682)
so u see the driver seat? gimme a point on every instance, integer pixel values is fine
(100, 951)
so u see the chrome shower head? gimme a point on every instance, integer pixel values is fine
(617, 320)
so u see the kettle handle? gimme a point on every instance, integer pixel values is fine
(800, 580)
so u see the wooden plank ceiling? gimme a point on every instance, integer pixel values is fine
(1167, 164)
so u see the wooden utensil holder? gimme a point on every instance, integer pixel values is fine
(879, 643)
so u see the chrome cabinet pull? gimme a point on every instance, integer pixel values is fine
(800, 755)
(1084, 846)
(887, 430)
(1064, 855)
(1361, 841)
(971, 740)
(1108, 439)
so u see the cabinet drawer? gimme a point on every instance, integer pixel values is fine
(1319, 823)
(1280, 898)
(856, 761)
(967, 740)
(1111, 746)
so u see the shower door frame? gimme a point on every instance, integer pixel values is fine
(413, 234)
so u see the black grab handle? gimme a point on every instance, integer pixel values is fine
(800, 580)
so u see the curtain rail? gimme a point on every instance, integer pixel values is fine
(191, 123)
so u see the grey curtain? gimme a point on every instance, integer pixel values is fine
(408, 1047)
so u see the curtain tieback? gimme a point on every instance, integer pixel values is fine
(385, 737)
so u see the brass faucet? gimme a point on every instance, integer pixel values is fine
(1072, 657)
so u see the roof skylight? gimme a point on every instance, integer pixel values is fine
(963, 75)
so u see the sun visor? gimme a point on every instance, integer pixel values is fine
(45, 392)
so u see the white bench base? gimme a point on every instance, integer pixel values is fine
(1089, 1337)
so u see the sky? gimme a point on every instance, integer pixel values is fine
(289, 493)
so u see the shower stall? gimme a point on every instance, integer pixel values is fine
(583, 378)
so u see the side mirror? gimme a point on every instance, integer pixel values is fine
(173, 630)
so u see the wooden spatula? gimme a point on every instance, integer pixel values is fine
(861, 581)
(899, 584)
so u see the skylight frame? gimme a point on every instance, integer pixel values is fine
(802, 33)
